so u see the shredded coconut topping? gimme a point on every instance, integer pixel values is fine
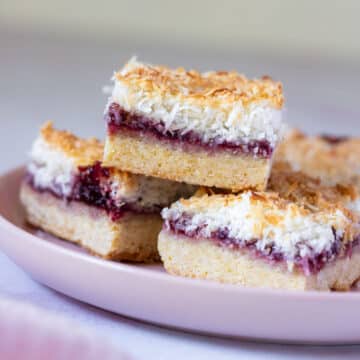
(224, 106)
(332, 160)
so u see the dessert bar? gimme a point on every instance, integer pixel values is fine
(214, 129)
(259, 239)
(112, 213)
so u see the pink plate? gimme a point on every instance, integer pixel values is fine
(146, 292)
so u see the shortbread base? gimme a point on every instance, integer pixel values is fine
(202, 259)
(141, 155)
(131, 238)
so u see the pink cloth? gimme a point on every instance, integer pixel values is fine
(27, 332)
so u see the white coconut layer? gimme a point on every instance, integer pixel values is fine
(51, 169)
(233, 122)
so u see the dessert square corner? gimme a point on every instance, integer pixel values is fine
(213, 129)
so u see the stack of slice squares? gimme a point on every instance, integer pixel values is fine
(266, 213)
(168, 131)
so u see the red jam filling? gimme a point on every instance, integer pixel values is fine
(93, 187)
(119, 120)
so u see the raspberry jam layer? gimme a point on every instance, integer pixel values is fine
(334, 139)
(308, 265)
(119, 120)
(92, 186)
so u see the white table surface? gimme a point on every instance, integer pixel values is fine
(45, 77)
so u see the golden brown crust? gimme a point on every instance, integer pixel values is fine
(310, 192)
(210, 89)
(205, 199)
(295, 198)
(83, 151)
(331, 161)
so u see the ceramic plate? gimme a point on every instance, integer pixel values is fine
(147, 293)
